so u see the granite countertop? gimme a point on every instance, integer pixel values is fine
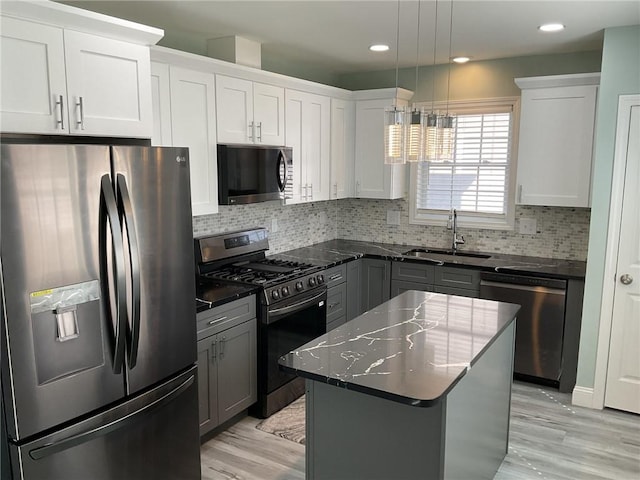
(335, 252)
(412, 349)
(211, 294)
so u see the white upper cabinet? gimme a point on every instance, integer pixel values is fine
(374, 179)
(249, 112)
(555, 147)
(308, 125)
(57, 79)
(193, 126)
(161, 105)
(343, 127)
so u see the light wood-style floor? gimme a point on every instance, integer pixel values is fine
(549, 439)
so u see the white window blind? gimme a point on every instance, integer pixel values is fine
(476, 182)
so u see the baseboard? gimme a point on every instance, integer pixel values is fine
(582, 397)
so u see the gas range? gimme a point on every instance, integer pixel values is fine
(240, 257)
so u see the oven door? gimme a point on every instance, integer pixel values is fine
(289, 325)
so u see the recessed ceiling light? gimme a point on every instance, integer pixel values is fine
(551, 27)
(461, 59)
(379, 47)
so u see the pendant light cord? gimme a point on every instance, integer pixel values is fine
(417, 47)
(449, 59)
(395, 101)
(433, 68)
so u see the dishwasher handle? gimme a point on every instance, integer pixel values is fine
(526, 288)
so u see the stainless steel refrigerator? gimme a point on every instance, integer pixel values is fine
(98, 320)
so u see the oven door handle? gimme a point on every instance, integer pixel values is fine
(275, 314)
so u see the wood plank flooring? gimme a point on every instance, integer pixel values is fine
(549, 440)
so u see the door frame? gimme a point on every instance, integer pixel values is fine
(625, 102)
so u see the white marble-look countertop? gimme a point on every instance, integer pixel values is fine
(412, 349)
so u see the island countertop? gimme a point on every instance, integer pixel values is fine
(412, 349)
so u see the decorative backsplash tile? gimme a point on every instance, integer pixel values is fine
(563, 233)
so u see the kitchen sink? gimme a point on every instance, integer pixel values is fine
(426, 252)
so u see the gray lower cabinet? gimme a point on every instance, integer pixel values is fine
(227, 361)
(354, 289)
(336, 278)
(434, 278)
(375, 283)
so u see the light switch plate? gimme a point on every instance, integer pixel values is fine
(393, 217)
(527, 226)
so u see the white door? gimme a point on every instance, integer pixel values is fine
(294, 139)
(33, 98)
(343, 124)
(108, 82)
(193, 125)
(234, 100)
(316, 125)
(268, 114)
(623, 373)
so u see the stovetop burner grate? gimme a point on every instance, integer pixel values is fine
(263, 272)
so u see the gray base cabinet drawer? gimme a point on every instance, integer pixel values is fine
(335, 275)
(412, 272)
(458, 278)
(336, 302)
(225, 316)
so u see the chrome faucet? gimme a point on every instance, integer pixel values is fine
(456, 240)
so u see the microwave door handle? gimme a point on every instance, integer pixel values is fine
(282, 182)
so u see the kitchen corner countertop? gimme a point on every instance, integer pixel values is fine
(412, 349)
(335, 252)
(211, 294)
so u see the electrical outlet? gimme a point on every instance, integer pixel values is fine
(274, 225)
(393, 217)
(527, 226)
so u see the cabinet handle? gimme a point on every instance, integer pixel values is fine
(61, 103)
(357, 188)
(222, 345)
(252, 132)
(80, 105)
(260, 131)
(331, 305)
(520, 193)
(215, 320)
(306, 191)
(311, 187)
(335, 187)
(336, 276)
(214, 354)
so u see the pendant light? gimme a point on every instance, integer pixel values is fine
(394, 119)
(446, 127)
(415, 118)
(430, 121)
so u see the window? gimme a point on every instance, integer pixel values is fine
(478, 182)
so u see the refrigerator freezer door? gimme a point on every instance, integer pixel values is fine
(154, 195)
(150, 437)
(57, 342)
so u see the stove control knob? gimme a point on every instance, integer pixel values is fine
(299, 286)
(285, 291)
(275, 294)
(320, 279)
(312, 282)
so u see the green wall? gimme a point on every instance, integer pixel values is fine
(483, 79)
(620, 75)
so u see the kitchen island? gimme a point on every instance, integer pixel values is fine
(416, 388)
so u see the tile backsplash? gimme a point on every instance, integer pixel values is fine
(562, 233)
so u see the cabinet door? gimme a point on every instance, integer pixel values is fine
(294, 101)
(316, 125)
(268, 114)
(556, 145)
(108, 82)
(193, 126)
(336, 303)
(207, 384)
(343, 122)
(237, 383)
(161, 105)
(376, 282)
(354, 289)
(373, 178)
(234, 110)
(33, 98)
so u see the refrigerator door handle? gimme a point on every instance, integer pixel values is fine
(127, 420)
(126, 212)
(109, 212)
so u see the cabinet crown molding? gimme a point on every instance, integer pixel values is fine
(559, 80)
(73, 18)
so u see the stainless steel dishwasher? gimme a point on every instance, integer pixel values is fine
(540, 323)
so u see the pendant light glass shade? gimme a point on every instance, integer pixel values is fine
(415, 136)
(430, 135)
(394, 135)
(446, 137)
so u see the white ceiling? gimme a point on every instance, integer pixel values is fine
(335, 35)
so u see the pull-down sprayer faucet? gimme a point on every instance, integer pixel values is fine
(456, 240)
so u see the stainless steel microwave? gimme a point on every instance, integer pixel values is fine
(253, 173)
